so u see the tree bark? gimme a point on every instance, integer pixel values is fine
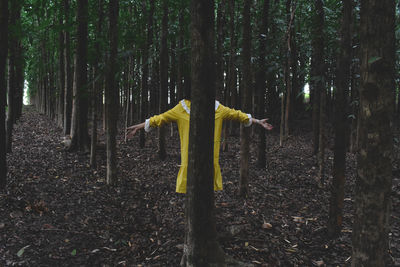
(246, 103)
(374, 161)
(261, 79)
(163, 79)
(145, 68)
(61, 74)
(68, 75)
(112, 93)
(317, 69)
(15, 15)
(96, 89)
(3, 57)
(80, 136)
(339, 160)
(202, 248)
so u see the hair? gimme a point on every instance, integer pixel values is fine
(187, 92)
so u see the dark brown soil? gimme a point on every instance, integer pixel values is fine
(57, 211)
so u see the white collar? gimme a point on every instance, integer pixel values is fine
(185, 107)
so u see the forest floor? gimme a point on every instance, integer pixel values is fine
(58, 211)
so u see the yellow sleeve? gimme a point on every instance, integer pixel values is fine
(235, 115)
(166, 117)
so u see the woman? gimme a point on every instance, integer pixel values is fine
(181, 115)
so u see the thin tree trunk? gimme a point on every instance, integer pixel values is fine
(317, 69)
(246, 104)
(342, 91)
(145, 67)
(61, 75)
(80, 136)
(261, 84)
(164, 79)
(68, 76)
(112, 95)
(374, 162)
(181, 61)
(3, 57)
(96, 88)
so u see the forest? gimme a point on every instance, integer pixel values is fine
(318, 185)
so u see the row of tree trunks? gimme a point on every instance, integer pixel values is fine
(3, 59)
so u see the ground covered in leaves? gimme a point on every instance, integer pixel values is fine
(57, 211)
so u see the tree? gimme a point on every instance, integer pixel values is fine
(374, 161)
(112, 95)
(246, 103)
(317, 70)
(164, 78)
(80, 136)
(13, 82)
(3, 57)
(202, 248)
(96, 90)
(67, 72)
(145, 67)
(342, 91)
(261, 83)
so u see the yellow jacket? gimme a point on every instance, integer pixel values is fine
(181, 115)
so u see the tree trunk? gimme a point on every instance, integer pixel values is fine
(261, 78)
(3, 57)
(342, 91)
(112, 95)
(231, 75)
(321, 141)
(61, 75)
(15, 15)
(173, 74)
(220, 53)
(201, 246)
(374, 162)
(246, 103)
(145, 68)
(68, 76)
(317, 69)
(80, 136)
(181, 61)
(163, 79)
(96, 89)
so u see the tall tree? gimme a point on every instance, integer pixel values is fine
(145, 67)
(261, 83)
(374, 162)
(342, 91)
(246, 102)
(317, 69)
(61, 73)
(96, 89)
(67, 72)
(164, 78)
(112, 95)
(3, 57)
(202, 248)
(13, 83)
(80, 136)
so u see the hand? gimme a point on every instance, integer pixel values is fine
(264, 124)
(131, 131)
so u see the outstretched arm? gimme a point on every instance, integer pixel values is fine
(131, 131)
(263, 123)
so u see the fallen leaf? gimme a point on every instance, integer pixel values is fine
(266, 225)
